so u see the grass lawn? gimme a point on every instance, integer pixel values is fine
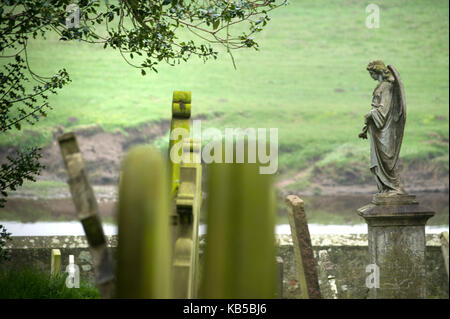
(308, 80)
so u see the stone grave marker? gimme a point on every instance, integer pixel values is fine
(55, 263)
(307, 266)
(87, 212)
(187, 204)
(444, 247)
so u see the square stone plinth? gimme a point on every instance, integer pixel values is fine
(396, 233)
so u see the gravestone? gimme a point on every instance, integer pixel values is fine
(187, 204)
(87, 212)
(444, 248)
(55, 263)
(239, 256)
(144, 250)
(304, 255)
(181, 119)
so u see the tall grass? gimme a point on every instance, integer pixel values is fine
(31, 283)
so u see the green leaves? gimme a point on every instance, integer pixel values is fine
(21, 103)
(149, 38)
(18, 167)
(4, 237)
(152, 28)
(110, 16)
(216, 24)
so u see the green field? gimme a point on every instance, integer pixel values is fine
(308, 80)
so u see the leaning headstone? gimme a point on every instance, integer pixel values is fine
(444, 247)
(306, 264)
(55, 263)
(144, 250)
(87, 212)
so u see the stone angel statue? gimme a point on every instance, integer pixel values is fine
(385, 124)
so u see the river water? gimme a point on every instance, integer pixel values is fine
(74, 228)
(326, 214)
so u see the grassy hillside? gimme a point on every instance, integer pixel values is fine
(308, 80)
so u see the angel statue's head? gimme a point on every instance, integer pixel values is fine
(379, 71)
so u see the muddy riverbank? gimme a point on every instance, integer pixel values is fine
(55, 204)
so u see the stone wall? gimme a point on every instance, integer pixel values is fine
(342, 261)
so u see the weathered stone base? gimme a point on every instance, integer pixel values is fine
(396, 230)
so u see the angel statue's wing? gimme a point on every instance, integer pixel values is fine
(398, 112)
(399, 96)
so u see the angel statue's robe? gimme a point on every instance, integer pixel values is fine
(386, 124)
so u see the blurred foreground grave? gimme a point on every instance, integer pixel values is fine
(144, 254)
(239, 257)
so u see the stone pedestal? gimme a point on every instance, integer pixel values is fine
(396, 245)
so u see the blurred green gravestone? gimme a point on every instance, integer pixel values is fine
(239, 257)
(87, 212)
(144, 250)
(304, 255)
